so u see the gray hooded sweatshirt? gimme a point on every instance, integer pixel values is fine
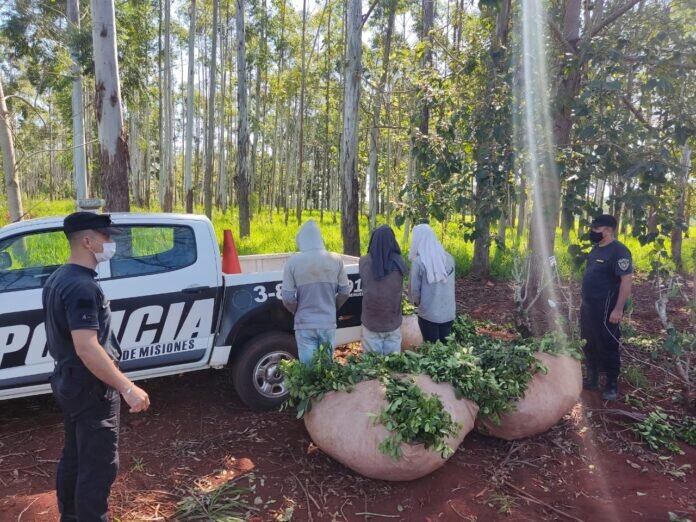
(315, 283)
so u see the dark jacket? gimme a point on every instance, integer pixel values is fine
(381, 304)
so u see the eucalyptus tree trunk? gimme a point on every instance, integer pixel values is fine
(166, 182)
(276, 137)
(242, 125)
(210, 130)
(78, 110)
(326, 180)
(374, 131)
(14, 194)
(188, 151)
(349, 141)
(303, 83)
(222, 195)
(681, 217)
(113, 148)
(135, 156)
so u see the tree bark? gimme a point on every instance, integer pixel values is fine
(14, 194)
(298, 208)
(374, 131)
(166, 192)
(113, 146)
(188, 152)
(428, 13)
(78, 110)
(242, 125)
(349, 142)
(210, 130)
(681, 217)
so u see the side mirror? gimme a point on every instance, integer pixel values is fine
(5, 261)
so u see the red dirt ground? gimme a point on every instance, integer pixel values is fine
(198, 434)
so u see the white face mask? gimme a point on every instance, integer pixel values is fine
(109, 250)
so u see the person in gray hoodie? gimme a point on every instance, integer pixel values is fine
(315, 286)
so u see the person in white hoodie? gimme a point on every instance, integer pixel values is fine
(432, 284)
(315, 286)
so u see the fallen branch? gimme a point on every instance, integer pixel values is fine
(369, 514)
(449, 503)
(526, 496)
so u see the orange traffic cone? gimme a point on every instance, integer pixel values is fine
(230, 259)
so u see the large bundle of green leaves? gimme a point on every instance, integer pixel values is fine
(491, 372)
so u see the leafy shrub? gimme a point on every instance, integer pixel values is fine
(657, 431)
(415, 417)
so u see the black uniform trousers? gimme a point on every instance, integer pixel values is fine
(602, 337)
(89, 462)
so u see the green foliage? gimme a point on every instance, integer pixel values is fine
(686, 429)
(414, 417)
(307, 382)
(490, 372)
(657, 431)
(635, 376)
(274, 236)
(407, 307)
(507, 367)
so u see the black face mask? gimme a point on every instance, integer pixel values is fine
(596, 237)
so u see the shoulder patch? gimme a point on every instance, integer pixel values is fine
(624, 263)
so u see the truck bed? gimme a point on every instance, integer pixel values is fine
(259, 263)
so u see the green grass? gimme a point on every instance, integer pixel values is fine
(272, 235)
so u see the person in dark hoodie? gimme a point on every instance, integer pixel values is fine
(315, 286)
(382, 275)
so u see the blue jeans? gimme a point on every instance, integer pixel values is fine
(382, 343)
(308, 341)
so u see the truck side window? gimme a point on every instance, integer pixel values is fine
(143, 250)
(27, 260)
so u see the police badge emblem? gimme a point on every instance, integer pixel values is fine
(624, 263)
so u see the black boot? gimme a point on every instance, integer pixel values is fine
(611, 390)
(591, 380)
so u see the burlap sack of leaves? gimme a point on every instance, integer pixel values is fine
(410, 333)
(547, 399)
(343, 425)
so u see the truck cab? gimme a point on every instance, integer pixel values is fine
(173, 310)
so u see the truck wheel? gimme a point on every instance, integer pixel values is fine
(256, 371)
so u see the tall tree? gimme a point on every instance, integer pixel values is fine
(303, 84)
(14, 194)
(113, 146)
(78, 108)
(376, 113)
(349, 140)
(188, 152)
(166, 171)
(210, 131)
(242, 178)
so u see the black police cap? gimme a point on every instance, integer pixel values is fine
(605, 220)
(78, 221)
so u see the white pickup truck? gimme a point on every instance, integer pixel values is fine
(173, 309)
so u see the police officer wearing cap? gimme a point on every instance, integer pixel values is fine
(606, 286)
(86, 382)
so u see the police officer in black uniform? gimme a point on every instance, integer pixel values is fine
(606, 286)
(86, 382)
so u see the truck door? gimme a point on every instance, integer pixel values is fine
(164, 287)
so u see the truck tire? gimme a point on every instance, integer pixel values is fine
(256, 373)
